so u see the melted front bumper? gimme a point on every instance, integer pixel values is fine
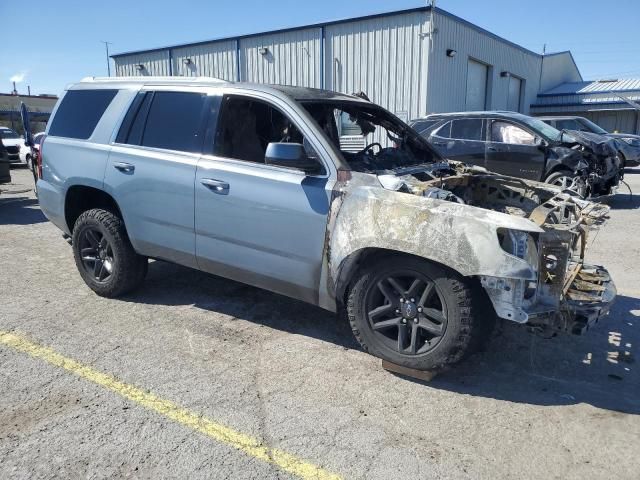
(588, 298)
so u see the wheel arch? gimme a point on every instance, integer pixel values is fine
(80, 198)
(357, 260)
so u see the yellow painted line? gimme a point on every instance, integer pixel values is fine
(245, 443)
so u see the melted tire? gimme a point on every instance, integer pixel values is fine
(129, 268)
(469, 325)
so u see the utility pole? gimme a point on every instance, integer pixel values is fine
(106, 46)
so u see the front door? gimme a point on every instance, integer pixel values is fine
(514, 151)
(256, 223)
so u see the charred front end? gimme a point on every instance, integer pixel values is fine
(559, 291)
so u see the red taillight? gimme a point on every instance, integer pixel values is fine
(39, 156)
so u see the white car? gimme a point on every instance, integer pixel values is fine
(14, 143)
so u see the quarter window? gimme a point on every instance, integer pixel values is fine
(79, 113)
(467, 129)
(504, 132)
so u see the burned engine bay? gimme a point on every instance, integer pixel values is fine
(564, 284)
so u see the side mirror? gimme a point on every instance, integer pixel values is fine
(292, 155)
(539, 142)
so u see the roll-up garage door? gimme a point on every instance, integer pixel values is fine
(476, 85)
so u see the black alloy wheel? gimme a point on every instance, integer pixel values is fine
(406, 312)
(96, 254)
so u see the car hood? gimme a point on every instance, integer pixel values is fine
(598, 144)
(623, 135)
(12, 142)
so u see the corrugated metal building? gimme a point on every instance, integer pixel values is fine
(606, 102)
(412, 62)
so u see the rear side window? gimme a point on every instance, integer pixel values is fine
(170, 120)
(467, 129)
(80, 112)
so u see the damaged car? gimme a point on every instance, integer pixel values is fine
(521, 146)
(628, 144)
(249, 182)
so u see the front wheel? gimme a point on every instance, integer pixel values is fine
(568, 181)
(104, 256)
(414, 313)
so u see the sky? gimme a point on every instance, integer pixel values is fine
(53, 43)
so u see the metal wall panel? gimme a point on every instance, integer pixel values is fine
(447, 75)
(155, 63)
(216, 59)
(385, 57)
(291, 58)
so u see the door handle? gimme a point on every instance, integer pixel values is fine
(216, 186)
(440, 144)
(124, 167)
(492, 149)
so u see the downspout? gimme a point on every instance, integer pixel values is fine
(322, 67)
(238, 60)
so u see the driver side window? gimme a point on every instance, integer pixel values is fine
(247, 125)
(504, 132)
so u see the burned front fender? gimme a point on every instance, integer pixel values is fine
(462, 237)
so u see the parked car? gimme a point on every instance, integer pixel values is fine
(12, 142)
(248, 182)
(5, 165)
(521, 146)
(628, 144)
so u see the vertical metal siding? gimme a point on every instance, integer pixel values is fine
(155, 63)
(385, 57)
(292, 58)
(215, 59)
(448, 75)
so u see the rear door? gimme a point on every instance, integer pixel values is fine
(461, 139)
(261, 224)
(152, 167)
(513, 150)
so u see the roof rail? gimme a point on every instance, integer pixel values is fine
(155, 79)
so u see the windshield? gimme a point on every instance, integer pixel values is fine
(545, 130)
(369, 137)
(6, 133)
(591, 127)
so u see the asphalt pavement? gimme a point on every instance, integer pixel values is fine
(195, 376)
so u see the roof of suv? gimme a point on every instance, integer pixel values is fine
(480, 114)
(297, 93)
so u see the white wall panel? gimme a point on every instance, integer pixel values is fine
(291, 58)
(215, 59)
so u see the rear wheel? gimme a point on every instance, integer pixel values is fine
(414, 313)
(104, 256)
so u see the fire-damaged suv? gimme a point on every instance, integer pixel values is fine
(249, 182)
(521, 146)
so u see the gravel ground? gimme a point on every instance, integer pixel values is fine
(292, 375)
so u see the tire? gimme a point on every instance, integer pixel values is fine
(453, 313)
(28, 162)
(116, 268)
